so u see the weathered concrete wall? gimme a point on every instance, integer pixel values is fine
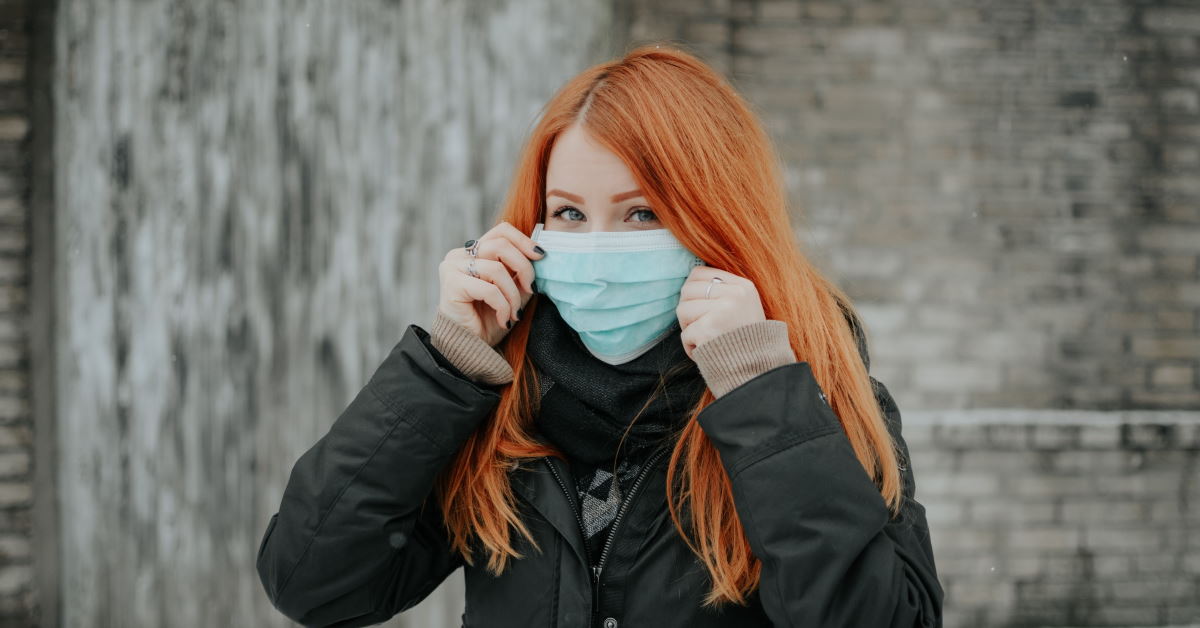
(251, 201)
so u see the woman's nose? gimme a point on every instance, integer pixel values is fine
(597, 226)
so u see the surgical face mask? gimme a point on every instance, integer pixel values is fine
(617, 289)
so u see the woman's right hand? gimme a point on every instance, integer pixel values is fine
(488, 305)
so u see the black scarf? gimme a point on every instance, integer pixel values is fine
(587, 404)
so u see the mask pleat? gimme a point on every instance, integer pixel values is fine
(617, 290)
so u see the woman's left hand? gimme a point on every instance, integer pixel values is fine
(731, 303)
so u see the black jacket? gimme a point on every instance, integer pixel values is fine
(351, 544)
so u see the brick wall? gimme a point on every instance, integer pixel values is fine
(1010, 190)
(1058, 518)
(16, 482)
(1011, 193)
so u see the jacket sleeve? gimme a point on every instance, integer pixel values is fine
(831, 553)
(352, 543)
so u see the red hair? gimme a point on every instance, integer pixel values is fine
(700, 155)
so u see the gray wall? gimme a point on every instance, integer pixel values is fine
(17, 490)
(238, 207)
(251, 200)
(1011, 193)
(1009, 190)
(1062, 518)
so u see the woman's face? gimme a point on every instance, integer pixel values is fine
(589, 188)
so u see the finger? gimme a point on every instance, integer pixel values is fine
(699, 289)
(700, 276)
(507, 243)
(497, 273)
(689, 311)
(484, 259)
(523, 242)
(488, 292)
(706, 273)
(516, 261)
(688, 339)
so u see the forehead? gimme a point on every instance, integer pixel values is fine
(580, 164)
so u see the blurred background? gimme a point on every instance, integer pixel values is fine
(216, 219)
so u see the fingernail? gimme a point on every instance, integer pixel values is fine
(539, 250)
(520, 311)
(508, 324)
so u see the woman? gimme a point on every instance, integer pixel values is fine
(609, 408)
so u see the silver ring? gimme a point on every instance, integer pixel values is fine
(715, 280)
(472, 247)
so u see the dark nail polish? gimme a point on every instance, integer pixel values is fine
(539, 250)
(508, 324)
(520, 311)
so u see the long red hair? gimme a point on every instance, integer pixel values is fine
(703, 161)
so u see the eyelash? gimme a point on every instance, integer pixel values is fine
(638, 209)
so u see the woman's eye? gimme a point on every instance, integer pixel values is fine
(645, 211)
(564, 209)
(649, 214)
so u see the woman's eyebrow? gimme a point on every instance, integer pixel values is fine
(617, 198)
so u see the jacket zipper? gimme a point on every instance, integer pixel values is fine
(574, 508)
(579, 519)
(612, 531)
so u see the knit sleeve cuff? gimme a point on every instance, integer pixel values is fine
(743, 353)
(472, 355)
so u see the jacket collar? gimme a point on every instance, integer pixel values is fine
(535, 481)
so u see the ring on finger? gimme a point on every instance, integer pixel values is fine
(472, 247)
(715, 281)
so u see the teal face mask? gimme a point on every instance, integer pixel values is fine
(617, 289)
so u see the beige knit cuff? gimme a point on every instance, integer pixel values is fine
(478, 360)
(743, 353)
